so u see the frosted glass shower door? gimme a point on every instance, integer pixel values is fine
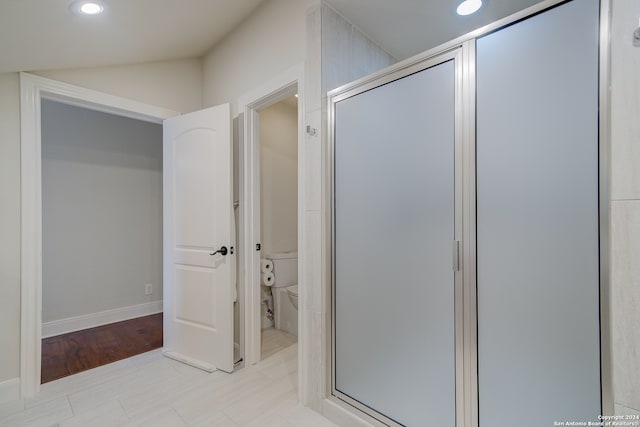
(394, 225)
(537, 220)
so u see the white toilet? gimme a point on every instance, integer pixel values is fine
(285, 290)
(292, 293)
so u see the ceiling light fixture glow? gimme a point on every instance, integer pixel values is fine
(87, 7)
(91, 8)
(467, 7)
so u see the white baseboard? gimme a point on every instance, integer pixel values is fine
(9, 390)
(72, 324)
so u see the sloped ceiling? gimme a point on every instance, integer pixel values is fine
(44, 34)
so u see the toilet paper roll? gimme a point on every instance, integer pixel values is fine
(268, 279)
(266, 266)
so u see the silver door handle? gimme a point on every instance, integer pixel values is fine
(456, 255)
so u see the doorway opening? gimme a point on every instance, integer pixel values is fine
(33, 91)
(282, 87)
(101, 238)
(278, 148)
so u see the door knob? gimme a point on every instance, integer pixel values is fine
(222, 251)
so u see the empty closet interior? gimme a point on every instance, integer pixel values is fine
(467, 229)
(101, 234)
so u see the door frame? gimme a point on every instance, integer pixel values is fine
(282, 86)
(32, 90)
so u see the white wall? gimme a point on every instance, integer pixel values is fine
(176, 85)
(279, 178)
(270, 41)
(625, 207)
(101, 211)
(9, 226)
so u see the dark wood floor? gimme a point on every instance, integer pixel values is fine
(68, 354)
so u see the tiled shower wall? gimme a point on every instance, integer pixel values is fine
(337, 53)
(625, 206)
(347, 54)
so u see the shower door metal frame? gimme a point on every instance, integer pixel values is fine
(456, 56)
(463, 51)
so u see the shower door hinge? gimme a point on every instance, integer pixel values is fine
(456, 255)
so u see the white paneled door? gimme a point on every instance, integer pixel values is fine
(199, 239)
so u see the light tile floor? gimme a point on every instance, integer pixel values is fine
(151, 390)
(275, 340)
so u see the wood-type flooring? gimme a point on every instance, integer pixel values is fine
(68, 354)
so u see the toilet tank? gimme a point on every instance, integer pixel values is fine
(285, 268)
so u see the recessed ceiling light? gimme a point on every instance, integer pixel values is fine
(87, 7)
(467, 7)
